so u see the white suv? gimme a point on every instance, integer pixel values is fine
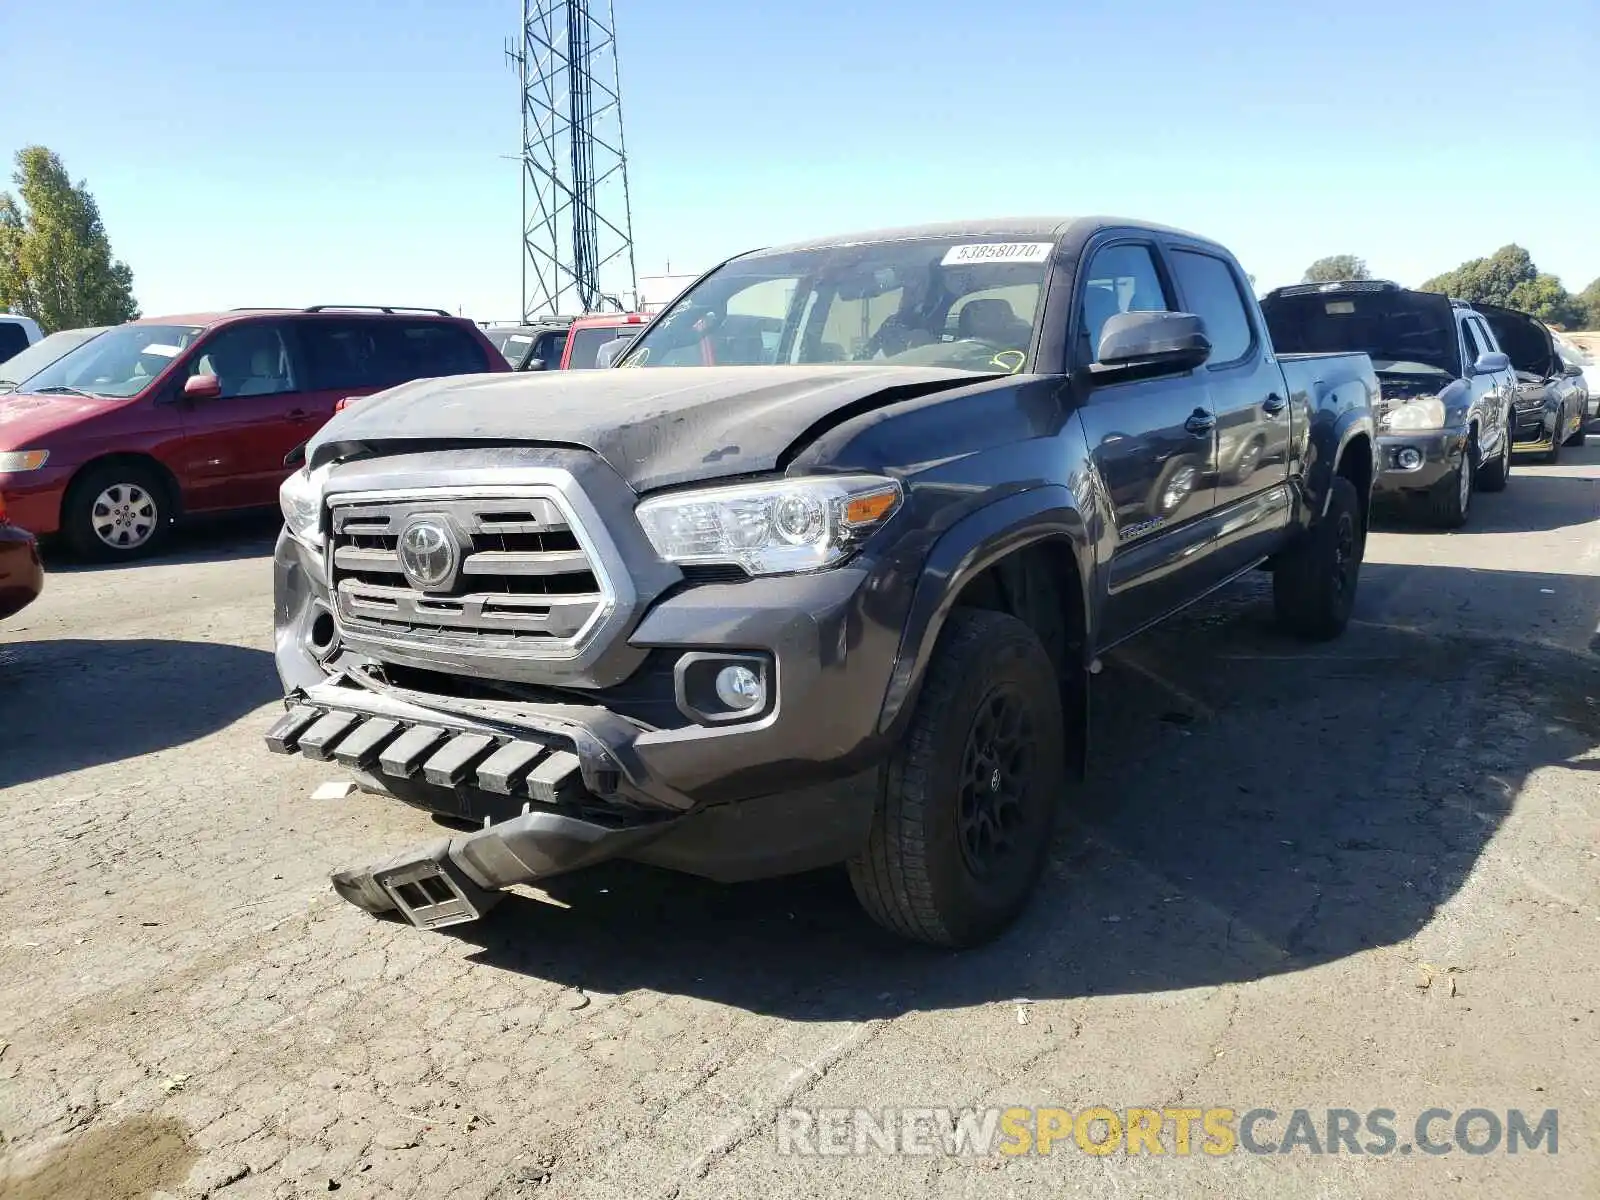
(16, 334)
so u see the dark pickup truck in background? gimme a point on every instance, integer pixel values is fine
(1447, 414)
(819, 573)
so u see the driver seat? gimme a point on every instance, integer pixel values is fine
(993, 320)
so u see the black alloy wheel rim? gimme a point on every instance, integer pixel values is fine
(996, 770)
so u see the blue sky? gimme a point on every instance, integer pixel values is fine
(349, 150)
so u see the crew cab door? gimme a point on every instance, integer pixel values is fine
(1247, 394)
(1152, 442)
(234, 444)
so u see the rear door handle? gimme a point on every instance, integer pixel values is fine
(299, 414)
(1200, 422)
(1274, 403)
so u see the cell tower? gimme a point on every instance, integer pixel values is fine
(577, 222)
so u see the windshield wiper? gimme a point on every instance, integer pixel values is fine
(61, 389)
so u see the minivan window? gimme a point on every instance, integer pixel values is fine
(248, 360)
(1211, 292)
(121, 362)
(426, 350)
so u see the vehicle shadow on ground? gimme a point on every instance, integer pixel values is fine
(1539, 499)
(200, 540)
(1255, 806)
(68, 704)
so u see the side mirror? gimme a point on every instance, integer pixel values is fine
(1491, 362)
(611, 351)
(533, 364)
(1572, 370)
(1162, 340)
(202, 387)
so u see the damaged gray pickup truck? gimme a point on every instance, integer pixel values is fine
(819, 573)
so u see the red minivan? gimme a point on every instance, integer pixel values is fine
(195, 414)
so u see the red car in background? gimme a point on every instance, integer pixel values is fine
(195, 414)
(587, 334)
(21, 573)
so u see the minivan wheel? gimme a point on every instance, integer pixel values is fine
(118, 511)
(963, 825)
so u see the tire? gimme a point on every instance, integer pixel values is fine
(117, 512)
(1495, 475)
(1580, 435)
(1553, 455)
(1314, 583)
(1450, 503)
(923, 874)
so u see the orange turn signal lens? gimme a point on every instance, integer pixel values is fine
(872, 507)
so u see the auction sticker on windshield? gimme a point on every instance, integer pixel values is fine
(988, 252)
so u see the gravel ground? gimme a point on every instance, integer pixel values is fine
(1360, 876)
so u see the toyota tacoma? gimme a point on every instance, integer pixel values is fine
(818, 573)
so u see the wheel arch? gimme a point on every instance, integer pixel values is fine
(1028, 555)
(169, 481)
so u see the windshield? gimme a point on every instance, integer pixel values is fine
(1402, 332)
(121, 362)
(939, 302)
(41, 354)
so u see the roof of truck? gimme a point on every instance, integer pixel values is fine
(1052, 228)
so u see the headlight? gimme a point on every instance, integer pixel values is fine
(1416, 414)
(300, 497)
(13, 461)
(770, 528)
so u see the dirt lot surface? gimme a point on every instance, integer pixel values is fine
(1361, 875)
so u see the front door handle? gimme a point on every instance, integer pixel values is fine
(1200, 422)
(1274, 403)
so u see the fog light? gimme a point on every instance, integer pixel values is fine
(1408, 459)
(740, 688)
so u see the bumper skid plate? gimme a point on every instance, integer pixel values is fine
(454, 880)
(505, 767)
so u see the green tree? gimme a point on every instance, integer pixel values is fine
(1588, 302)
(1487, 280)
(1545, 298)
(55, 258)
(1336, 267)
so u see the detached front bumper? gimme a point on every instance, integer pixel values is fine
(1416, 461)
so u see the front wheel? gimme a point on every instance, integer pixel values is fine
(1580, 435)
(1553, 455)
(1495, 475)
(1314, 583)
(1451, 499)
(117, 511)
(963, 826)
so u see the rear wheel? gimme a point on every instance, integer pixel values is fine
(1451, 499)
(117, 511)
(963, 827)
(1314, 583)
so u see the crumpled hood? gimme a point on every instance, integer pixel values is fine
(25, 417)
(654, 426)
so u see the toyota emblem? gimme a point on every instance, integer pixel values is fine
(429, 554)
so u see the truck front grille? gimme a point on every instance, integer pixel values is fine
(520, 577)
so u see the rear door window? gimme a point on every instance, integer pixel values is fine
(1211, 292)
(427, 350)
(340, 353)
